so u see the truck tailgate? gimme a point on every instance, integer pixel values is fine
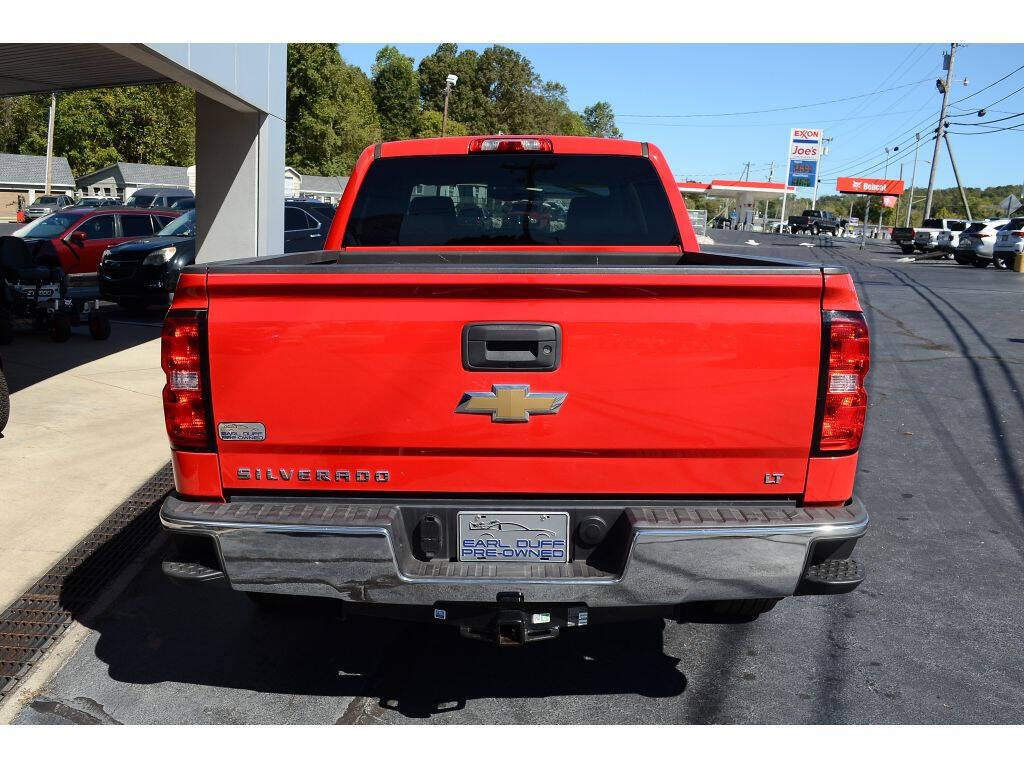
(696, 381)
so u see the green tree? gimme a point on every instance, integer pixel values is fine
(600, 120)
(94, 128)
(467, 104)
(331, 114)
(396, 94)
(429, 125)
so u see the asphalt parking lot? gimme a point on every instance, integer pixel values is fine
(933, 636)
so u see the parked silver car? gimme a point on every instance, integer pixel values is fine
(1009, 242)
(44, 205)
(977, 242)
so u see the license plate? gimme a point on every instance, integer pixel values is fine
(537, 537)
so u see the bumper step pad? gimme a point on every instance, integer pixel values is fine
(190, 571)
(832, 577)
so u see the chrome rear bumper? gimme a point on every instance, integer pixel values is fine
(674, 553)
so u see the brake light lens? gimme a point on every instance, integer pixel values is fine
(181, 356)
(511, 145)
(846, 399)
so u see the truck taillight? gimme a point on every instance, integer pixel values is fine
(844, 398)
(511, 145)
(182, 356)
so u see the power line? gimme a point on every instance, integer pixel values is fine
(989, 122)
(980, 109)
(905, 136)
(892, 75)
(779, 109)
(994, 130)
(997, 82)
(763, 125)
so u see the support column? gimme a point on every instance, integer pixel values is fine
(239, 182)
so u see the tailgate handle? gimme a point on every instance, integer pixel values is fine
(511, 346)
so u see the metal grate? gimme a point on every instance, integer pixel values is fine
(36, 620)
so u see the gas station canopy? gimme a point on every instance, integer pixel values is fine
(742, 191)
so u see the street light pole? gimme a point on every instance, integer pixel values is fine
(448, 83)
(881, 207)
(913, 179)
(899, 198)
(940, 130)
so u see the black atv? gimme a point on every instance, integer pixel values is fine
(34, 290)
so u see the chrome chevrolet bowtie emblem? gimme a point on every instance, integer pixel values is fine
(510, 402)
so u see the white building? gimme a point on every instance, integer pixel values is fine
(121, 180)
(23, 178)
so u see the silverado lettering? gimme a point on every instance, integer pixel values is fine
(307, 475)
(672, 432)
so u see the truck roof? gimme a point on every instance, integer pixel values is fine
(459, 145)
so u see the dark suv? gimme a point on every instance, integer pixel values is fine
(145, 272)
(159, 197)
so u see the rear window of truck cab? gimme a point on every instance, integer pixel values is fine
(511, 199)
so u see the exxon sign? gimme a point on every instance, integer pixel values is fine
(805, 143)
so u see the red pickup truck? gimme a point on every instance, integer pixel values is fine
(510, 428)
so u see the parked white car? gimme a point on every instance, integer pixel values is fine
(977, 242)
(1009, 242)
(926, 237)
(948, 239)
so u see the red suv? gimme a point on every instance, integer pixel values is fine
(81, 235)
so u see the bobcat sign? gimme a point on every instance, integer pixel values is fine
(853, 186)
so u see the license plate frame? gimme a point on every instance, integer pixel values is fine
(513, 536)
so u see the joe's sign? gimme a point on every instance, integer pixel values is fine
(856, 186)
(805, 144)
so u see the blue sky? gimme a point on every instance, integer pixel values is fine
(651, 86)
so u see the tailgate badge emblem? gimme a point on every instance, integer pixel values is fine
(510, 402)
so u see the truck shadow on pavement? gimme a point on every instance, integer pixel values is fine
(157, 631)
(33, 356)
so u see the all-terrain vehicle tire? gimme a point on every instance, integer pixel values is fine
(5, 401)
(99, 326)
(60, 329)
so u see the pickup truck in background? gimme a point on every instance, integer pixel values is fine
(904, 238)
(516, 425)
(926, 237)
(815, 222)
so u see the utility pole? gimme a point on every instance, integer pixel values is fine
(746, 171)
(956, 175)
(49, 142)
(771, 172)
(913, 179)
(448, 83)
(817, 175)
(940, 130)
